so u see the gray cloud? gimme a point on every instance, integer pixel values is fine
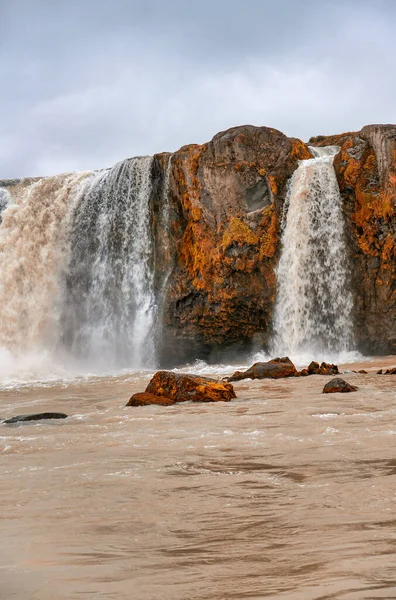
(85, 84)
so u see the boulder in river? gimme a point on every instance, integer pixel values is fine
(144, 399)
(273, 369)
(338, 385)
(323, 369)
(35, 417)
(181, 388)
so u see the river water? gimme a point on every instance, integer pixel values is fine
(282, 493)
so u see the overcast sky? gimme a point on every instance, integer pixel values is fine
(86, 83)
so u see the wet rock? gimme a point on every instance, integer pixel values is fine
(36, 417)
(144, 399)
(273, 369)
(182, 388)
(363, 372)
(390, 371)
(226, 198)
(366, 173)
(379, 372)
(323, 369)
(338, 385)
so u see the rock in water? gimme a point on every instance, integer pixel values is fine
(338, 385)
(144, 399)
(36, 417)
(181, 388)
(323, 369)
(273, 369)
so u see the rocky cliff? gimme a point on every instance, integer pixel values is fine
(225, 205)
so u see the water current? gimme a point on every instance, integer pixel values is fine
(283, 493)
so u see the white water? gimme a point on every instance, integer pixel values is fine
(314, 304)
(76, 275)
(109, 302)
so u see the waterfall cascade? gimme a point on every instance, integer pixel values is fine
(4, 200)
(313, 307)
(76, 267)
(109, 299)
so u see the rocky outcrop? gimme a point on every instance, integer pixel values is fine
(183, 388)
(366, 171)
(276, 368)
(225, 204)
(338, 385)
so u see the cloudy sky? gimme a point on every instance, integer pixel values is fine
(86, 83)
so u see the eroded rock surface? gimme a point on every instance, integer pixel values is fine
(183, 388)
(225, 205)
(366, 172)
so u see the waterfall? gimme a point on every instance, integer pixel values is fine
(77, 272)
(33, 239)
(4, 200)
(109, 305)
(313, 306)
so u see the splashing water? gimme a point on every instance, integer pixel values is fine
(32, 251)
(109, 307)
(314, 304)
(4, 200)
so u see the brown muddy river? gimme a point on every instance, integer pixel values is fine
(282, 493)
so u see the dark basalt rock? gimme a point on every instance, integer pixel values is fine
(338, 385)
(35, 417)
(273, 369)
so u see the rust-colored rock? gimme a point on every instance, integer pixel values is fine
(273, 369)
(366, 172)
(182, 388)
(219, 247)
(390, 371)
(225, 205)
(338, 385)
(144, 399)
(323, 369)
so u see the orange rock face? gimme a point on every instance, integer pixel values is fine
(144, 399)
(366, 171)
(226, 201)
(183, 388)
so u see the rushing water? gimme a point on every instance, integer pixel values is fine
(109, 302)
(4, 200)
(77, 273)
(313, 308)
(282, 493)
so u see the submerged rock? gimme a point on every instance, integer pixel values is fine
(36, 417)
(144, 399)
(182, 388)
(273, 369)
(338, 385)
